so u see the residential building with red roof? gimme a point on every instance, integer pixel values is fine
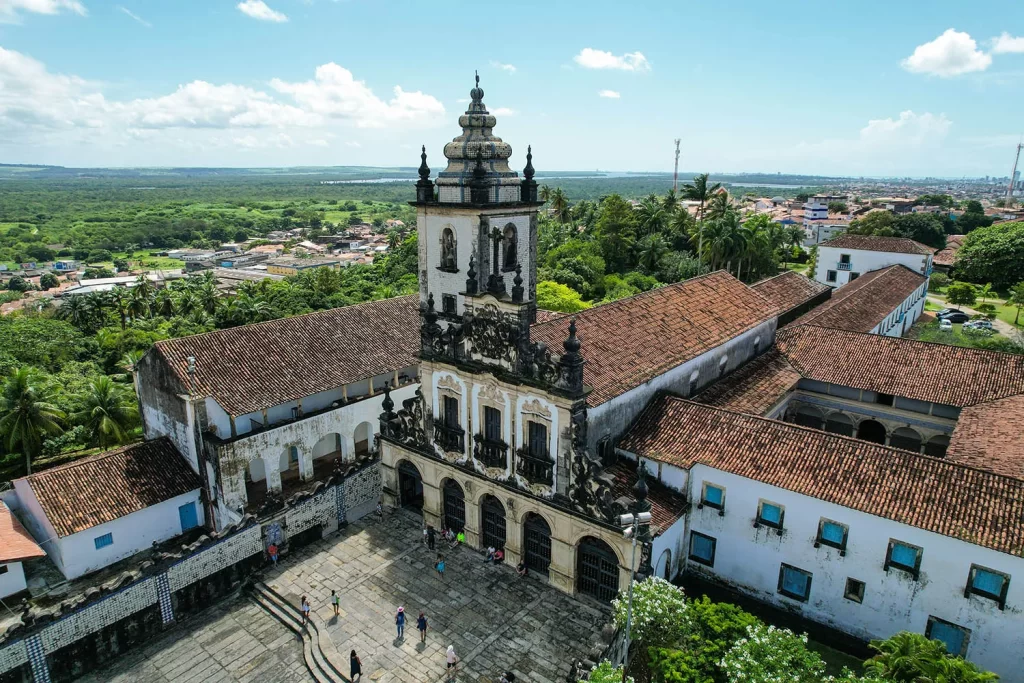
(842, 259)
(16, 547)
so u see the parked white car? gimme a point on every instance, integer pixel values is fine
(945, 325)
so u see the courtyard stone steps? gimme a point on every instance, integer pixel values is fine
(316, 660)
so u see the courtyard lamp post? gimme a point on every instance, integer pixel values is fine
(631, 527)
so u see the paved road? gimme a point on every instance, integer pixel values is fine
(1002, 327)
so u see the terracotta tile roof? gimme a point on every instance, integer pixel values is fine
(755, 387)
(789, 290)
(16, 544)
(246, 369)
(104, 487)
(946, 257)
(987, 435)
(667, 506)
(544, 316)
(892, 245)
(864, 303)
(630, 341)
(952, 375)
(943, 497)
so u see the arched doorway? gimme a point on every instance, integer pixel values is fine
(905, 438)
(871, 430)
(454, 506)
(597, 569)
(410, 486)
(363, 438)
(936, 446)
(493, 515)
(329, 446)
(537, 543)
(809, 416)
(664, 566)
(838, 423)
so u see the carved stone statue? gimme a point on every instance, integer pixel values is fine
(511, 241)
(448, 255)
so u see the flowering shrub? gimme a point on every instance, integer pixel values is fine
(772, 655)
(659, 612)
(605, 673)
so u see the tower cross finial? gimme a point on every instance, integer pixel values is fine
(477, 74)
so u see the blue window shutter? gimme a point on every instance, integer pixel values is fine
(701, 547)
(103, 541)
(833, 533)
(794, 582)
(188, 516)
(771, 513)
(988, 582)
(949, 635)
(904, 555)
(713, 495)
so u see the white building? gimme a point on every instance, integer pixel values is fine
(269, 408)
(93, 512)
(818, 225)
(16, 546)
(844, 258)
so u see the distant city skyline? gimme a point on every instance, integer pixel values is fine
(875, 90)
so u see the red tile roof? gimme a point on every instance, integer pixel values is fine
(16, 544)
(631, 341)
(755, 387)
(105, 487)
(667, 506)
(946, 256)
(892, 245)
(943, 497)
(987, 435)
(249, 368)
(789, 290)
(952, 375)
(863, 304)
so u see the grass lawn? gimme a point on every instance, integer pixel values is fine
(927, 329)
(797, 267)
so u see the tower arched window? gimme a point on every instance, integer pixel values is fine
(449, 253)
(510, 247)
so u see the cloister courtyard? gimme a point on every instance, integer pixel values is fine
(495, 620)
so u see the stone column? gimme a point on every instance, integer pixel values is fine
(562, 570)
(348, 448)
(273, 474)
(432, 510)
(305, 464)
(513, 538)
(473, 529)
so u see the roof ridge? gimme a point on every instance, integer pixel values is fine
(823, 433)
(96, 457)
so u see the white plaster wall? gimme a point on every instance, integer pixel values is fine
(749, 559)
(218, 418)
(671, 539)
(36, 522)
(159, 423)
(863, 261)
(13, 580)
(614, 416)
(131, 533)
(911, 309)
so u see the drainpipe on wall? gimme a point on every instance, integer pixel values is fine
(206, 496)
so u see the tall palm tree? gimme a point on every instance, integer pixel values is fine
(144, 286)
(718, 205)
(109, 412)
(699, 191)
(208, 295)
(77, 311)
(187, 303)
(544, 193)
(252, 310)
(671, 202)
(652, 250)
(118, 299)
(163, 303)
(651, 215)
(560, 205)
(138, 303)
(27, 414)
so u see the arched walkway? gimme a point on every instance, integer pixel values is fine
(838, 423)
(410, 486)
(257, 470)
(936, 446)
(597, 569)
(492, 514)
(905, 438)
(809, 416)
(454, 505)
(289, 461)
(536, 543)
(871, 430)
(363, 438)
(329, 446)
(664, 566)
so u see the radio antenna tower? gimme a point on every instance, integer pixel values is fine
(1013, 174)
(675, 176)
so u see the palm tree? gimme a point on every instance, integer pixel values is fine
(671, 202)
(138, 303)
(118, 299)
(77, 311)
(544, 193)
(652, 250)
(27, 414)
(109, 412)
(394, 239)
(129, 361)
(699, 191)
(144, 286)
(560, 205)
(252, 310)
(163, 303)
(651, 215)
(718, 205)
(904, 657)
(208, 295)
(187, 303)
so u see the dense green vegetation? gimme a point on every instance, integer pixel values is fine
(993, 254)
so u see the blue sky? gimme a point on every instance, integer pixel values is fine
(844, 88)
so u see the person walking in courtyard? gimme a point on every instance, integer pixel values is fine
(272, 552)
(460, 538)
(421, 626)
(426, 534)
(355, 667)
(380, 510)
(452, 662)
(335, 602)
(400, 621)
(430, 536)
(304, 608)
(440, 566)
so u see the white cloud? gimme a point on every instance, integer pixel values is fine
(951, 54)
(9, 9)
(203, 105)
(257, 9)
(908, 129)
(610, 94)
(509, 68)
(504, 111)
(590, 58)
(134, 16)
(1006, 44)
(352, 143)
(335, 93)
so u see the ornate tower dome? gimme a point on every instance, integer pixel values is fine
(477, 157)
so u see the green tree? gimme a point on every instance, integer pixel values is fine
(926, 228)
(772, 654)
(109, 412)
(912, 658)
(48, 281)
(937, 281)
(961, 294)
(837, 207)
(1017, 300)
(700, 191)
(651, 252)
(18, 284)
(606, 673)
(27, 414)
(651, 215)
(658, 617)
(994, 254)
(552, 296)
(559, 205)
(615, 231)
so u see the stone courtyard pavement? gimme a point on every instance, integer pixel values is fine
(495, 620)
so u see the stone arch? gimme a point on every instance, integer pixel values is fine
(809, 416)
(871, 430)
(543, 514)
(289, 459)
(329, 446)
(663, 567)
(509, 247)
(937, 445)
(536, 542)
(453, 504)
(363, 438)
(410, 484)
(492, 522)
(449, 249)
(906, 438)
(257, 470)
(839, 423)
(578, 538)
(597, 571)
